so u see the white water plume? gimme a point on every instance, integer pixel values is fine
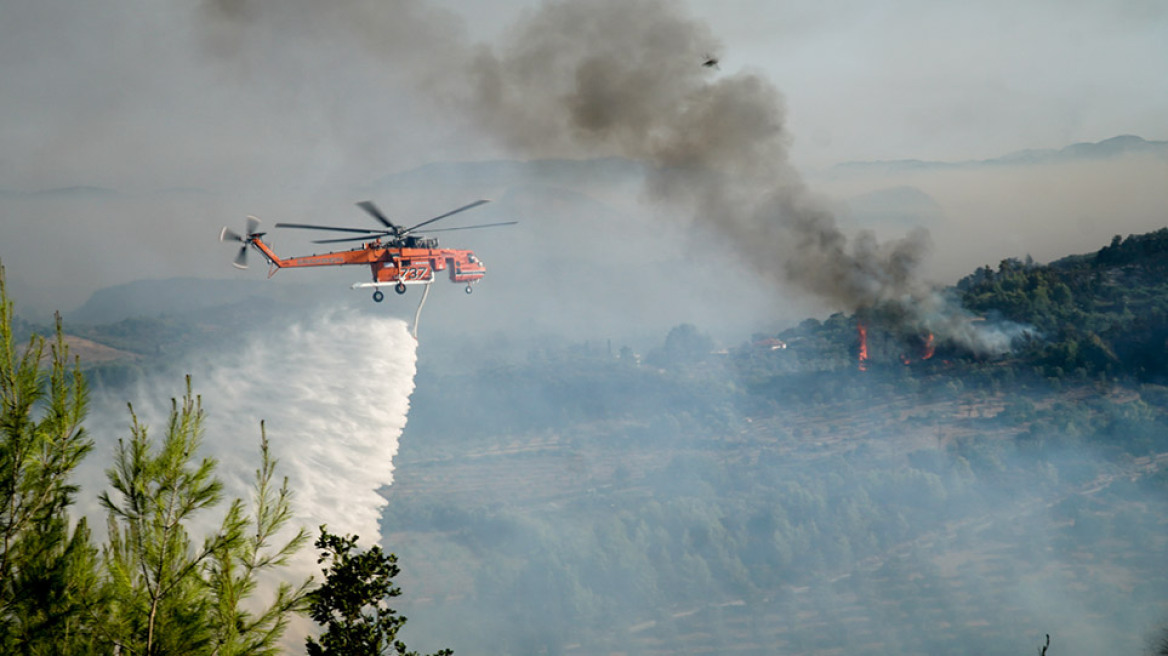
(334, 395)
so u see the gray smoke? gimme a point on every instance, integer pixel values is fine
(615, 78)
(619, 78)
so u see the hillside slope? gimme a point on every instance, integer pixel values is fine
(578, 500)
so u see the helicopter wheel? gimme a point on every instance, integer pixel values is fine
(400, 288)
(378, 296)
(469, 289)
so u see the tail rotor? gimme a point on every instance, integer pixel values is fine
(227, 234)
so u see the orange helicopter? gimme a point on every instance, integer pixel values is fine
(397, 257)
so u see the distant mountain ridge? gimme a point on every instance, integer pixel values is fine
(495, 173)
(148, 298)
(1108, 148)
(186, 297)
(902, 206)
(619, 170)
(76, 191)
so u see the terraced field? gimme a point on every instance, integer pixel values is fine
(1067, 544)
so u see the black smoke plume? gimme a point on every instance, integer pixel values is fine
(621, 78)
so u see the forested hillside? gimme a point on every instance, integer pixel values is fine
(777, 498)
(781, 495)
(1099, 314)
(1092, 316)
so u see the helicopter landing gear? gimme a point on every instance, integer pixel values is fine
(400, 288)
(378, 296)
(469, 289)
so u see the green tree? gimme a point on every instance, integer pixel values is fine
(159, 602)
(158, 594)
(352, 603)
(233, 572)
(166, 595)
(47, 575)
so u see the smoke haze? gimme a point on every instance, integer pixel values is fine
(620, 79)
(281, 109)
(177, 119)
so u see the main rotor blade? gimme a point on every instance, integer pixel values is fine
(308, 226)
(375, 212)
(481, 225)
(337, 241)
(443, 216)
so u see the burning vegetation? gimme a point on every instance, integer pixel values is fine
(909, 348)
(862, 358)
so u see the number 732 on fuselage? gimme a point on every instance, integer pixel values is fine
(396, 256)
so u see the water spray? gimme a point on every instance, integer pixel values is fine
(334, 394)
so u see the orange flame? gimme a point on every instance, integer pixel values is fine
(863, 356)
(926, 350)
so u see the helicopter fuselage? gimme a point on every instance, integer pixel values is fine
(390, 265)
(403, 258)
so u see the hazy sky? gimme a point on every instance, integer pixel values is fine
(942, 80)
(130, 93)
(955, 80)
(286, 108)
